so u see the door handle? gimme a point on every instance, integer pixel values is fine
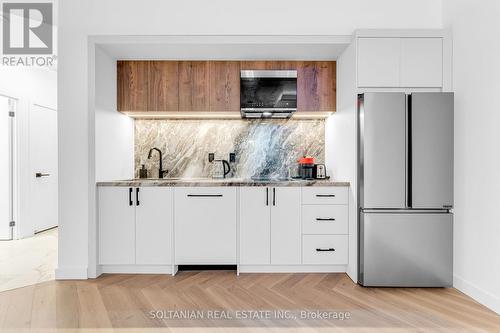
(325, 219)
(137, 196)
(40, 175)
(326, 250)
(267, 196)
(130, 196)
(274, 196)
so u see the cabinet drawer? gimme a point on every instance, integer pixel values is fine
(324, 219)
(324, 195)
(324, 249)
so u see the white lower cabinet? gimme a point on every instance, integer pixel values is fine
(150, 229)
(153, 226)
(324, 249)
(285, 226)
(134, 225)
(270, 226)
(255, 226)
(116, 226)
(205, 225)
(325, 225)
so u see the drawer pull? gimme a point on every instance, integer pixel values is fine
(325, 219)
(204, 195)
(326, 250)
(325, 195)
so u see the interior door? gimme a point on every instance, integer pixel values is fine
(6, 169)
(43, 164)
(432, 150)
(406, 249)
(382, 121)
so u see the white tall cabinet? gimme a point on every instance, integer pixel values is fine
(379, 60)
(395, 62)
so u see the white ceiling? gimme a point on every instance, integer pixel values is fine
(223, 47)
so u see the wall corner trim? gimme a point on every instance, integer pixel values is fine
(71, 273)
(480, 295)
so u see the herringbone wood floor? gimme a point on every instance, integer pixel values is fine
(122, 303)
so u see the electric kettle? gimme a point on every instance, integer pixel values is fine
(221, 169)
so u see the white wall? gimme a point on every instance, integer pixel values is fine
(29, 86)
(476, 50)
(114, 132)
(341, 147)
(79, 19)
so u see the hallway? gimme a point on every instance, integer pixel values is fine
(28, 261)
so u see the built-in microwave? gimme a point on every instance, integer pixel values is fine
(268, 93)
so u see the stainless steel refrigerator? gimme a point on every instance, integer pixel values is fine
(405, 189)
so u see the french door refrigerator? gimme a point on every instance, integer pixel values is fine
(405, 189)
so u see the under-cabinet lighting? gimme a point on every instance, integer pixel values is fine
(216, 115)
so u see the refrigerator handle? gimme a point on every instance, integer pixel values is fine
(408, 152)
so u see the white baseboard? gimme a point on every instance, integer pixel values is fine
(292, 268)
(71, 273)
(487, 299)
(135, 269)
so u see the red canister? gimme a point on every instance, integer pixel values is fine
(306, 167)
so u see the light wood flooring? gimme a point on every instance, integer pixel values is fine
(27, 261)
(122, 303)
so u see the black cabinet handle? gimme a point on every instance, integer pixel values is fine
(325, 219)
(137, 196)
(326, 250)
(274, 196)
(130, 196)
(267, 196)
(204, 195)
(325, 195)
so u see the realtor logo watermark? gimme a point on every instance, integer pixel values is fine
(27, 34)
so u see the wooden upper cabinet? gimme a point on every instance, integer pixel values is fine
(224, 85)
(132, 85)
(194, 91)
(163, 94)
(316, 81)
(316, 86)
(268, 65)
(169, 86)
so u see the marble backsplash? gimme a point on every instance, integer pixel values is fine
(262, 147)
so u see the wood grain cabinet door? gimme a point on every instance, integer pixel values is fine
(194, 92)
(225, 86)
(132, 85)
(268, 65)
(163, 94)
(316, 86)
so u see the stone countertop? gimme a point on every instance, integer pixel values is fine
(200, 182)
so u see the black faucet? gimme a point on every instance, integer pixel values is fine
(161, 172)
